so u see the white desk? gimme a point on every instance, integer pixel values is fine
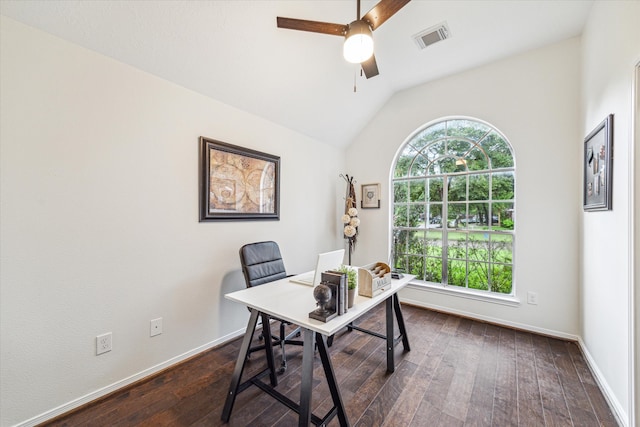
(293, 302)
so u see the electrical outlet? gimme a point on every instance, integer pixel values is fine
(532, 298)
(103, 343)
(156, 327)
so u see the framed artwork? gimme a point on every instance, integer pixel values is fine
(237, 183)
(598, 164)
(370, 196)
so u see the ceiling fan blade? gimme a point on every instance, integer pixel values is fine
(383, 11)
(370, 67)
(312, 26)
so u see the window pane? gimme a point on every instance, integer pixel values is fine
(457, 246)
(498, 151)
(456, 211)
(435, 189)
(479, 187)
(417, 244)
(478, 247)
(434, 270)
(400, 263)
(503, 216)
(478, 215)
(477, 160)
(417, 215)
(503, 186)
(501, 280)
(400, 217)
(467, 128)
(400, 191)
(457, 273)
(404, 161)
(434, 243)
(419, 166)
(401, 238)
(458, 148)
(502, 248)
(416, 266)
(417, 191)
(434, 215)
(479, 275)
(443, 165)
(435, 150)
(428, 135)
(458, 188)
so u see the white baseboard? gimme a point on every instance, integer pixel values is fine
(489, 319)
(48, 415)
(618, 411)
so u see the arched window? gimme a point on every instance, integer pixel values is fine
(453, 206)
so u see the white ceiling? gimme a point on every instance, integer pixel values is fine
(232, 51)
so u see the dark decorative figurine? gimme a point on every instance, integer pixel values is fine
(322, 295)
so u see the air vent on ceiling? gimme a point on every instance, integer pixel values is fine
(432, 35)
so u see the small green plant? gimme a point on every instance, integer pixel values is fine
(507, 223)
(351, 276)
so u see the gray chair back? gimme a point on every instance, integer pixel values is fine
(261, 263)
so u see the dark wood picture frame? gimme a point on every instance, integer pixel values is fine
(598, 167)
(237, 183)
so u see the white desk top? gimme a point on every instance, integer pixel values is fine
(293, 302)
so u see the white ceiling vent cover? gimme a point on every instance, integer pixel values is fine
(432, 35)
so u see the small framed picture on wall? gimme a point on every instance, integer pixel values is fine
(370, 196)
(598, 164)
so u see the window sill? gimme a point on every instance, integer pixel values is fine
(508, 300)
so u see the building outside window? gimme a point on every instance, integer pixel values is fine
(453, 192)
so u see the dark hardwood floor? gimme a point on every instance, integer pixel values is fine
(459, 372)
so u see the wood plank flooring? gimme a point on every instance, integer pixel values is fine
(459, 372)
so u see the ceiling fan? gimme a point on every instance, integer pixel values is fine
(358, 42)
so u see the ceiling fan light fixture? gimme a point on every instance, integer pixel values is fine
(358, 42)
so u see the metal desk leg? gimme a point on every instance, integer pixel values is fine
(306, 383)
(237, 372)
(390, 340)
(400, 320)
(331, 381)
(268, 348)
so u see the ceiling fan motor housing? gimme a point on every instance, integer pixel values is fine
(358, 42)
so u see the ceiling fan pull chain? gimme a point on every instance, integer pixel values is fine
(355, 79)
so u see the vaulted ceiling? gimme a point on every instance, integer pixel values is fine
(233, 52)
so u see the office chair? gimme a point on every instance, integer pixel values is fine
(262, 263)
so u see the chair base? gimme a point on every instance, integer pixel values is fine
(281, 340)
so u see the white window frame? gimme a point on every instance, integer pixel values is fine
(443, 287)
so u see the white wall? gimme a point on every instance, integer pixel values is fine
(533, 99)
(99, 220)
(608, 61)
